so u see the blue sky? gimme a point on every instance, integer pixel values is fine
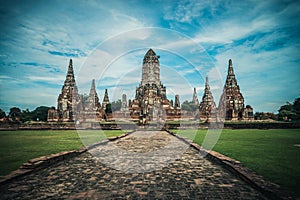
(108, 39)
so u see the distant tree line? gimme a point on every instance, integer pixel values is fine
(17, 115)
(290, 111)
(189, 106)
(287, 112)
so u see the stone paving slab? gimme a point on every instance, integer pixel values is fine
(180, 173)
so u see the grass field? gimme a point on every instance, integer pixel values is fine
(17, 147)
(275, 154)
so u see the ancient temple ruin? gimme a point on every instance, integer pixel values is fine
(92, 108)
(207, 107)
(124, 106)
(150, 102)
(67, 100)
(232, 101)
(71, 106)
(195, 98)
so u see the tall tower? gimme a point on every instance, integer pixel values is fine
(92, 107)
(207, 106)
(151, 69)
(68, 102)
(177, 102)
(150, 102)
(124, 106)
(105, 100)
(232, 100)
(93, 99)
(195, 97)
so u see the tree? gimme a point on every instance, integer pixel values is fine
(26, 115)
(40, 113)
(296, 107)
(189, 106)
(264, 116)
(108, 108)
(116, 105)
(14, 113)
(289, 111)
(2, 114)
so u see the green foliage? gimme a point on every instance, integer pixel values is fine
(2, 114)
(271, 153)
(116, 105)
(296, 107)
(264, 116)
(40, 113)
(26, 115)
(108, 108)
(289, 111)
(14, 113)
(297, 104)
(189, 106)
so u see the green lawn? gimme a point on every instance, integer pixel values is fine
(275, 154)
(17, 147)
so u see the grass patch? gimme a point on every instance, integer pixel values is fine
(17, 147)
(271, 153)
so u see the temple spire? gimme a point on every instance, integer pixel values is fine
(105, 99)
(68, 102)
(195, 97)
(70, 78)
(230, 68)
(206, 84)
(207, 93)
(124, 106)
(151, 68)
(230, 79)
(207, 105)
(93, 88)
(93, 100)
(232, 100)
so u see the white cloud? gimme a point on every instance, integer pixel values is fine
(47, 79)
(263, 77)
(108, 40)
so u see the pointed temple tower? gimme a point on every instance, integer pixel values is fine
(207, 107)
(105, 100)
(92, 107)
(124, 106)
(232, 101)
(151, 103)
(195, 98)
(69, 101)
(151, 69)
(92, 102)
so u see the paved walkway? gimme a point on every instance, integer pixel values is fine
(143, 165)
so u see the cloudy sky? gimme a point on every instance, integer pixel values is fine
(108, 39)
